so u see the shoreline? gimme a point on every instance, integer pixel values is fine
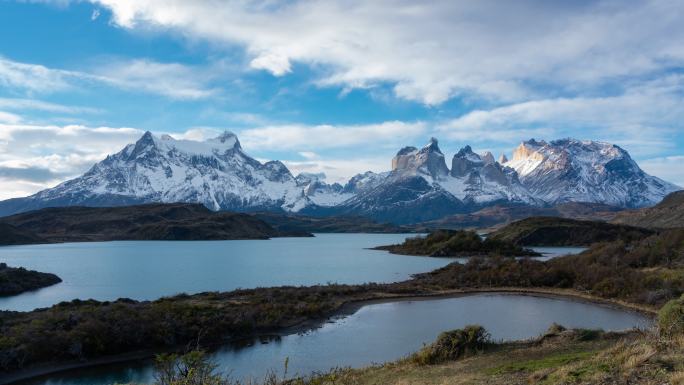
(345, 309)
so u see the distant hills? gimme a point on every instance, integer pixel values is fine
(667, 214)
(550, 231)
(420, 187)
(180, 221)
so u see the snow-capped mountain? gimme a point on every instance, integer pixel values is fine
(216, 173)
(420, 186)
(570, 170)
(320, 193)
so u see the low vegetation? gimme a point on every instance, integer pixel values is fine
(552, 231)
(649, 271)
(10, 235)
(465, 356)
(327, 224)
(667, 214)
(16, 280)
(671, 318)
(457, 243)
(452, 345)
(174, 221)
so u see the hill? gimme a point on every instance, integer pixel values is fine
(499, 215)
(338, 224)
(551, 231)
(18, 280)
(179, 221)
(667, 214)
(457, 243)
(10, 235)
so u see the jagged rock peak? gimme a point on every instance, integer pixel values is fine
(406, 150)
(308, 177)
(503, 159)
(427, 161)
(488, 158)
(432, 146)
(464, 151)
(528, 149)
(464, 162)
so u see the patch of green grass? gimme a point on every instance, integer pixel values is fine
(551, 361)
(583, 372)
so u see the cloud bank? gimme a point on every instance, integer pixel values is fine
(434, 50)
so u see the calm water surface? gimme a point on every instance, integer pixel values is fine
(383, 332)
(149, 270)
(152, 269)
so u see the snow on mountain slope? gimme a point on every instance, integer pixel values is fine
(216, 173)
(320, 193)
(420, 186)
(479, 179)
(570, 170)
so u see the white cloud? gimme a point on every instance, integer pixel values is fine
(7, 117)
(169, 79)
(39, 105)
(644, 119)
(32, 77)
(173, 80)
(36, 157)
(670, 168)
(307, 138)
(339, 170)
(278, 65)
(434, 50)
(308, 155)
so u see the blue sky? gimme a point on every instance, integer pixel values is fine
(335, 86)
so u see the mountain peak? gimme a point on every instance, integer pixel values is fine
(432, 146)
(409, 161)
(572, 170)
(488, 158)
(503, 159)
(227, 140)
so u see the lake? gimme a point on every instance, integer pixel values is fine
(381, 332)
(147, 270)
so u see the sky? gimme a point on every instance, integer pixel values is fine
(335, 86)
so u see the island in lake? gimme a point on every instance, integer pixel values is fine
(457, 243)
(16, 280)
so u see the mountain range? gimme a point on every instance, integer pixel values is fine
(420, 186)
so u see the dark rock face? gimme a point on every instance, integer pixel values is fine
(667, 214)
(428, 161)
(15, 281)
(10, 235)
(402, 200)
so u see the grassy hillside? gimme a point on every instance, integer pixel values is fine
(18, 280)
(551, 231)
(500, 215)
(10, 235)
(178, 221)
(667, 214)
(456, 243)
(336, 224)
